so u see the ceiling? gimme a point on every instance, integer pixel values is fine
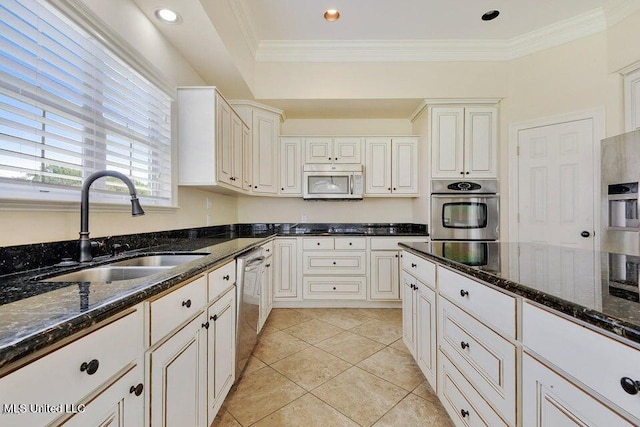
(272, 29)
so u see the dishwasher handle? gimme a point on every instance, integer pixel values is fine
(254, 263)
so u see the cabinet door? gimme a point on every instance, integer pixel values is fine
(178, 383)
(447, 139)
(549, 400)
(480, 142)
(318, 150)
(266, 292)
(119, 405)
(291, 166)
(409, 312)
(247, 158)
(404, 167)
(377, 166)
(265, 152)
(385, 279)
(347, 150)
(223, 141)
(236, 146)
(426, 348)
(632, 101)
(285, 273)
(221, 360)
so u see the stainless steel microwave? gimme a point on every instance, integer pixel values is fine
(332, 182)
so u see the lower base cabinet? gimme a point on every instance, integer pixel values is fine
(221, 361)
(178, 385)
(550, 400)
(119, 405)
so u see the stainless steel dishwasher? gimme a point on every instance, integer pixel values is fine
(249, 269)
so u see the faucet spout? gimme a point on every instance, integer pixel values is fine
(136, 209)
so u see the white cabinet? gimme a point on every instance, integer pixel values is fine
(333, 150)
(285, 272)
(632, 101)
(464, 142)
(391, 166)
(210, 140)
(550, 400)
(247, 159)
(266, 286)
(291, 166)
(265, 133)
(88, 366)
(385, 279)
(178, 381)
(119, 405)
(221, 336)
(409, 311)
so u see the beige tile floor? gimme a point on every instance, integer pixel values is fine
(332, 367)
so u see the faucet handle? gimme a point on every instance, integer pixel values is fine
(117, 247)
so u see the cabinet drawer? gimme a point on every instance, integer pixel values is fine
(597, 361)
(320, 243)
(463, 403)
(423, 270)
(487, 360)
(175, 308)
(347, 243)
(334, 262)
(391, 243)
(220, 279)
(334, 288)
(490, 306)
(59, 377)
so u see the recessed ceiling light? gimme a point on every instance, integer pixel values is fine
(492, 14)
(168, 16)
(331, 15)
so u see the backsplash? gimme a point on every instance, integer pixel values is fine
(14, 259)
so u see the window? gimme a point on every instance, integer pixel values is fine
(70, 107)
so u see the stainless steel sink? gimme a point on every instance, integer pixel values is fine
(158, 260)
(107, 274)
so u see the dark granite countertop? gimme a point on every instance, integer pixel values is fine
(599, 288)
(36, 314)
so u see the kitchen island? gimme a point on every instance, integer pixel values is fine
(524, 334)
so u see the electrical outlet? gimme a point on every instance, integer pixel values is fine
(209, 203)
(208, 220)
(304, 218)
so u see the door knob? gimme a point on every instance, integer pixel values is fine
(585, 234)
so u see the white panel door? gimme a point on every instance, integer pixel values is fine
(409, 311)
(223, 141)
(318, 150)
(632, 101)
(377, 166)
(236, 148)
(285, 273)
(347, 150)
(447, 142)
(556, 185)
(247, 159)
(385, 279)
(426, 348)
(404, 168)
(265, 152)
(291, 166)
(481, 142)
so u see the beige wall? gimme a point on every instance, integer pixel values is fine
(30, 224)
(347, 127)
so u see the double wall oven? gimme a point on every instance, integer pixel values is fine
(465, 222)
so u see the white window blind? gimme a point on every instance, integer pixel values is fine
(70, 107)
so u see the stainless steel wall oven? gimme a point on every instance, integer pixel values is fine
(464, 210)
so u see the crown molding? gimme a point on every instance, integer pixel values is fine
(428, 102)
(254, 104)
(582, 25)
(618, 11)
(242, 19)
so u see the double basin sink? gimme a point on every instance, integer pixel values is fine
(133, 268)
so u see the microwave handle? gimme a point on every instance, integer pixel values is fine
(353, 178)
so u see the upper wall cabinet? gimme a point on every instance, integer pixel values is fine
(464, 142)
(333, 150)
(391, 166)
(291, 149)
(265, 133)
(210, 140)
(632, 101)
